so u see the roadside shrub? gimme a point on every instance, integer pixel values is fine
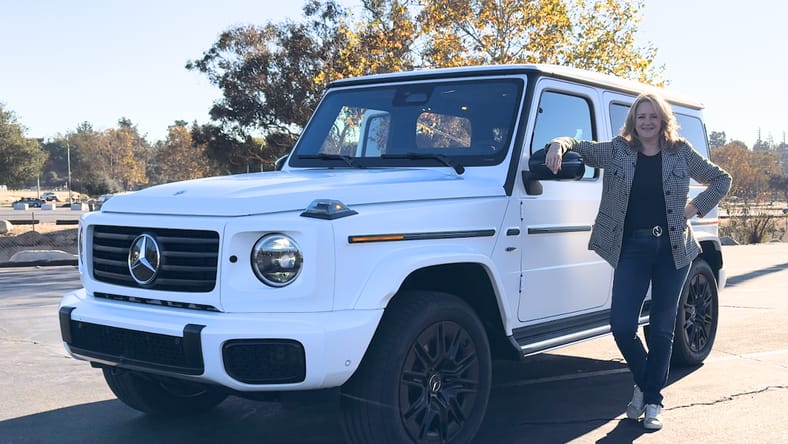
(751, 224)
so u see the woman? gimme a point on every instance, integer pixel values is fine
(642, 231)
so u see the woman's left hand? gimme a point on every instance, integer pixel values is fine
(690, 211)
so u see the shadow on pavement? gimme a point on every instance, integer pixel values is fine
(738, 279)
(544, 399)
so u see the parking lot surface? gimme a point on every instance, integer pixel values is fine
(576, 394)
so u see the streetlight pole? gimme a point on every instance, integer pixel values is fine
(68, 160)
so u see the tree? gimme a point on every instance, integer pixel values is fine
(128, 153)
(382, 42)
(231, 154)
(717, 139)
(21, 158)
(750, 170)
(272, 76)
(55, 169)
(89, 162)
(178, 158)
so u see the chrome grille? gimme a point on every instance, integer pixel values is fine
(188, 257)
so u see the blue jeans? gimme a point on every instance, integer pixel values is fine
(646, 259)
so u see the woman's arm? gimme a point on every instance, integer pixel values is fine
(717, 181)
(595, 154)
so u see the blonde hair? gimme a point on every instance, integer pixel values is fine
(669, 129)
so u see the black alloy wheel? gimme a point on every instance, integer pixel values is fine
(698, 313)
(425, 377)
(439, 383)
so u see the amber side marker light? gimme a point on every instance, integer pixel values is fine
(379, 238)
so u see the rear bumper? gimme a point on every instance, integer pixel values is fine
(241, 351)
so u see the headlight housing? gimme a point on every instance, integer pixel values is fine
(276, 260)
(81, 243)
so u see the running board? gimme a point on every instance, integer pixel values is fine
(550, 335)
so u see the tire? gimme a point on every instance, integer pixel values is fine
(162, 396)
(697, 318)
(426, 376)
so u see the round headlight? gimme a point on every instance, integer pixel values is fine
(276, 260)
(80, 243)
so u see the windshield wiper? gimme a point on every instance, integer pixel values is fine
(349, 160)
(449, 162)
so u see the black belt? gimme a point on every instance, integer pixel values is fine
(655, 231)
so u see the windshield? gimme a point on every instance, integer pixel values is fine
(437, 123)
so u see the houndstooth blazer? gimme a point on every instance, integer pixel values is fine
(619, 160)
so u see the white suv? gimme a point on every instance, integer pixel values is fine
(412, 236)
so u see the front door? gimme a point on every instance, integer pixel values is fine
(561, 276)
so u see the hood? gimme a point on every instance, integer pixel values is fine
(293, 190)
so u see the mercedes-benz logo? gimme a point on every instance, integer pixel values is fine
(144, 259)
(435, 383)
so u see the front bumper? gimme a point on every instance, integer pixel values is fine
(219, 348)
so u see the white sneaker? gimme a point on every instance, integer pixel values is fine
(653, 419)
(635, 406)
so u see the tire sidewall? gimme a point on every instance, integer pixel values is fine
(683, 355)
(379, 374)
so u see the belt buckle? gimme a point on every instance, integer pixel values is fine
(656, 231)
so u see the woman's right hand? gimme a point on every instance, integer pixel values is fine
(552, 159)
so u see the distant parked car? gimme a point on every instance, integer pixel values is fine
(31, 202)
(50, 196)
(785, 210)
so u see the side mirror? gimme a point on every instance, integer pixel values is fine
(572, 168)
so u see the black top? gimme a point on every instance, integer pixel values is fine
(646, 198)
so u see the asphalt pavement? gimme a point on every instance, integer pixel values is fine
(576, 394)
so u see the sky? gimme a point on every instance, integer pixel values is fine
(64, 62)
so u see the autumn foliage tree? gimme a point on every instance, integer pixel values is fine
(128, 153)
(750, 170)
(753, 178)
(272, 75)
(179, 158)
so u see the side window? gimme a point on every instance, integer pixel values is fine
(561, 114)
(691, 128)
(618, 114)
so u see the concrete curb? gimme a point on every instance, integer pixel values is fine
(39, 263)
(38, 258)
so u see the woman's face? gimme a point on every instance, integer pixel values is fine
(648, 123)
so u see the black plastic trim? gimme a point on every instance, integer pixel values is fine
(65, 323)
(555, 230)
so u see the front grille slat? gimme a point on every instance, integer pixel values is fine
(188, 269)
(109, 262)
(113, 276)
(189, 258)
(189, 254)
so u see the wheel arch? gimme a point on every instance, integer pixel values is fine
(711, 252)
(471, 282)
